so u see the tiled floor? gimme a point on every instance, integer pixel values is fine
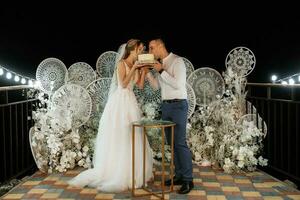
(209, 184)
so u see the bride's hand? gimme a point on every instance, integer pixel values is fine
(145, 70)
(136, 65)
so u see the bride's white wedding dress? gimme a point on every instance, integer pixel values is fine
(112, 162)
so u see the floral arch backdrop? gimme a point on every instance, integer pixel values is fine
(219, 131)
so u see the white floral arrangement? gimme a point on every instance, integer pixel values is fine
(56, 146)
(213, 133)
(216, 137)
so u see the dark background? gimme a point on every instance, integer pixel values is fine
(203, 34)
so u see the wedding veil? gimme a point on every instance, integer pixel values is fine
(114, 79)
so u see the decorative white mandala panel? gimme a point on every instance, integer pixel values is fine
(207, 83)
(189, 67)
(258, 121)
(98, 91)
(52, 74)
(241, 60)
(191, 100)
(148, 94)
(75, 99)
(81, 73)
(105, 65)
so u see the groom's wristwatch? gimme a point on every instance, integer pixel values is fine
(161, 71)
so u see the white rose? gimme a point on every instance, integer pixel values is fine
(78, 146)
(86, 165)
(79, 155)
(75, 140)
(85, 149)
(81, 162)
(73, 154)
(240, 164)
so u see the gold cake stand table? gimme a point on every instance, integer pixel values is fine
(144, 125)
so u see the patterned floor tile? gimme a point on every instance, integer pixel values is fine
(210, 184)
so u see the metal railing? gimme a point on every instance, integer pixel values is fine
(15, 121)
(278, 105)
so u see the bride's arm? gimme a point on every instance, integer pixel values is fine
(153, 81)
(141, 81)
(125, 79)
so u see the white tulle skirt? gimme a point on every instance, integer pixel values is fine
(112, 170)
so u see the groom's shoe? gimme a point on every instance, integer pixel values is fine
(176, 181)
(186, 187)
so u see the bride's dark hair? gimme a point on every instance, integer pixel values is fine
(130, 46)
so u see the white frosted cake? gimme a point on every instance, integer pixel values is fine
(146, 58)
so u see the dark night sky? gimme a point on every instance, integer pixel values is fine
(201, 34)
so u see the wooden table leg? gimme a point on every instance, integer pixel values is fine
(144, 155)
(133, 164)
(163, 161)
(172, 159)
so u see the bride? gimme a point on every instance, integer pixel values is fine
(112, 160)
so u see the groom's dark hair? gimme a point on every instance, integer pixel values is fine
(161, 41)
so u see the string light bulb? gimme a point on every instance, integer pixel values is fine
(291, 81)
(17, 78)
(23, 80)
(273, 78)
(8, 75)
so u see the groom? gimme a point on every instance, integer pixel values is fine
(172, 80)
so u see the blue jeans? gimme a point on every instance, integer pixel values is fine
(177, 113)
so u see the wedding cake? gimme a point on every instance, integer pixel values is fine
(146, 58)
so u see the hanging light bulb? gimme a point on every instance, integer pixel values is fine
(291, 81)
(12, 75)
(273, 78)
(23, 80)
(17, 78)
(8, 75)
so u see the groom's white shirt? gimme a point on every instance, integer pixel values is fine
(172, 80)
